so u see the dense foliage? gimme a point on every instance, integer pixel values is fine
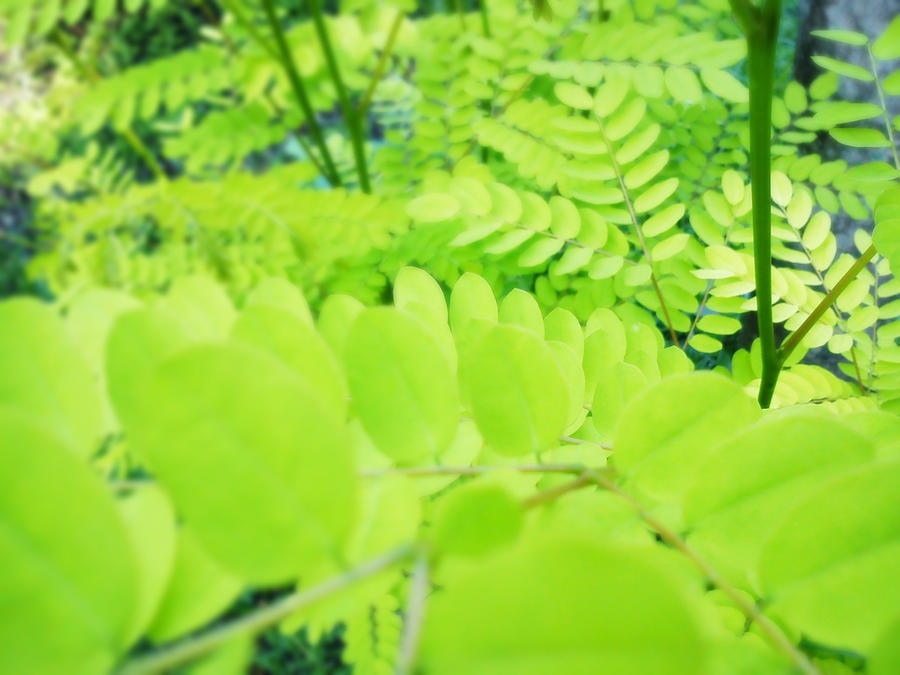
(433, 333)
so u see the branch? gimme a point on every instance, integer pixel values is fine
(382, 63)
(191, 648)
(350, 116)
(415, 613)
(286, 60)
(750, 610)
(420, 471)
(640, 234)
(824, 304)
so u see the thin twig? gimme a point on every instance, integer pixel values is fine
(192, 648)
(353, 121)
(286, 60)
(554, 493)
(421, 471)
(414, 615)
(750, 610)
(382, 63)
(640, 234)
(824, 304)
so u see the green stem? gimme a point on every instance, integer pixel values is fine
(166, 658)
(351, 118)
(485, 24)
(235, 9)
(462, 16)
(771, 630)
(884, 108)
(381, 65)
(761, 28)
(287, 62)
(824, 304)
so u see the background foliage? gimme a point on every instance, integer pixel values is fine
(432, 343)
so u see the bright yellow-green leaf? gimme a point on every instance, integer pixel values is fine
(224, 426)
(69, 578)
(519, 397)
(829, 568)
(663, 220)
(659, 452)
(843, 68)
(573, 95)
(475, 519)
(683, 84)
(432, 208)
(725, 85)
(43, 374)
(620, 610)
(733, 187)
(887, 46)
(655, 195)
(401, 385)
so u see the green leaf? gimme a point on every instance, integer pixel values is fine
(201, 305)
(725, 85)
(539, 251)
(884, 659)
(733, 187)
(663, 220)
(683, 84)
(335, 319)
(279, 293)
(858, 137)
(223, 426)
(647, 169)
(401, 384)
(610, 95)
(294, 341)
(573, 95)
(43, 374)
(719, 324)
(658, 451)
(432, 208)
(829, 569)
(847, 37)
(199, 589)
(782, 189)
(476, 519)
(743, 489)
(150, 522)
(519, 398)
(886, 236)
(471, 300)
(69, 577)
(617, 384)
(830, 114)
(565, 221)
(565, 606)
(843, 68)
(655, 195)
(670, 247)
(519, 308)
(887, 46)
(137, 343)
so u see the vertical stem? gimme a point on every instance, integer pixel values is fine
(290, 68)
(350, 116)
(382, 63)
(761, 28)
(485, 25)
(462, 16)
(601, 11)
